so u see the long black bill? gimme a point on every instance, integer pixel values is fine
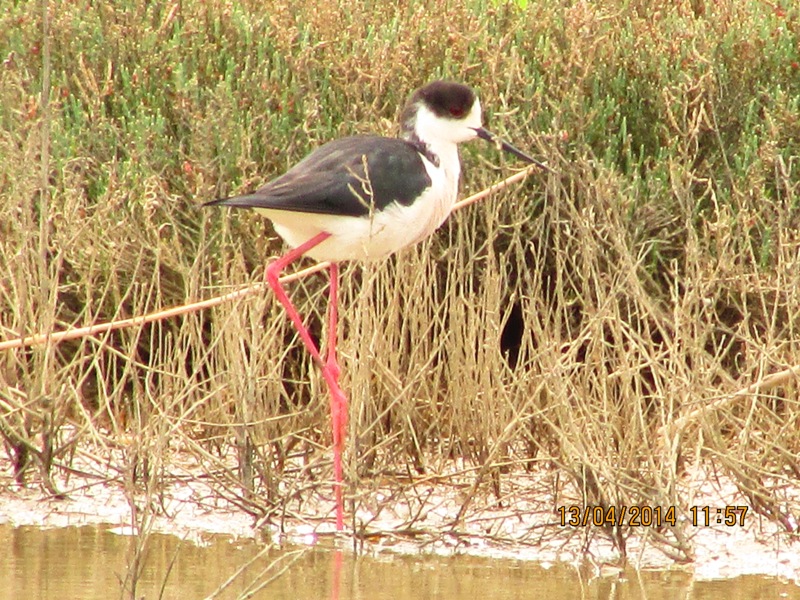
(487, 135)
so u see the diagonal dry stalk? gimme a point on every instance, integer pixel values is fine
(761, 386)
(96, 329)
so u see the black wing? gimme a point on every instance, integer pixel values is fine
(352, 176)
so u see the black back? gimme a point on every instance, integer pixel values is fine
(352, 176)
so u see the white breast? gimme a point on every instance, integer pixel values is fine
(384, 232)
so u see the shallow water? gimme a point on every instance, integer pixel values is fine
(92, 562)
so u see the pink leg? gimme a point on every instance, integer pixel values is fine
(338, 399)
(333, 318)
(329, 368)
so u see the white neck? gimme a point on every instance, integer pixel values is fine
(441, 136)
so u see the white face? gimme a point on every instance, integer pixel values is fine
(432, 128)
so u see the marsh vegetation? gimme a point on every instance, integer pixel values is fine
(598, 323)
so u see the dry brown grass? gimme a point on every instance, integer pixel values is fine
(569, 322)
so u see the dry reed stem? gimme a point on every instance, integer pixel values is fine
(767, 383)
(70, 334)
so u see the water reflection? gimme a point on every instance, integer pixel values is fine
(91, 563)
(337, 561)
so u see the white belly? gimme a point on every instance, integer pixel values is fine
(380, 234)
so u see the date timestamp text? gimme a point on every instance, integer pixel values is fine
(649, 516)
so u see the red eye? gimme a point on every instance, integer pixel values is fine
(457, 111)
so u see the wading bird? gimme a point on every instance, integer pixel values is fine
(363, 198)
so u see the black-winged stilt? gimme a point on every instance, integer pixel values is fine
(363, 198)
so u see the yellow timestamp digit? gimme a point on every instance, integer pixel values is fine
(730, 516)
(574, 512)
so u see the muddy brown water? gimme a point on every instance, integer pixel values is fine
(92, 562)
